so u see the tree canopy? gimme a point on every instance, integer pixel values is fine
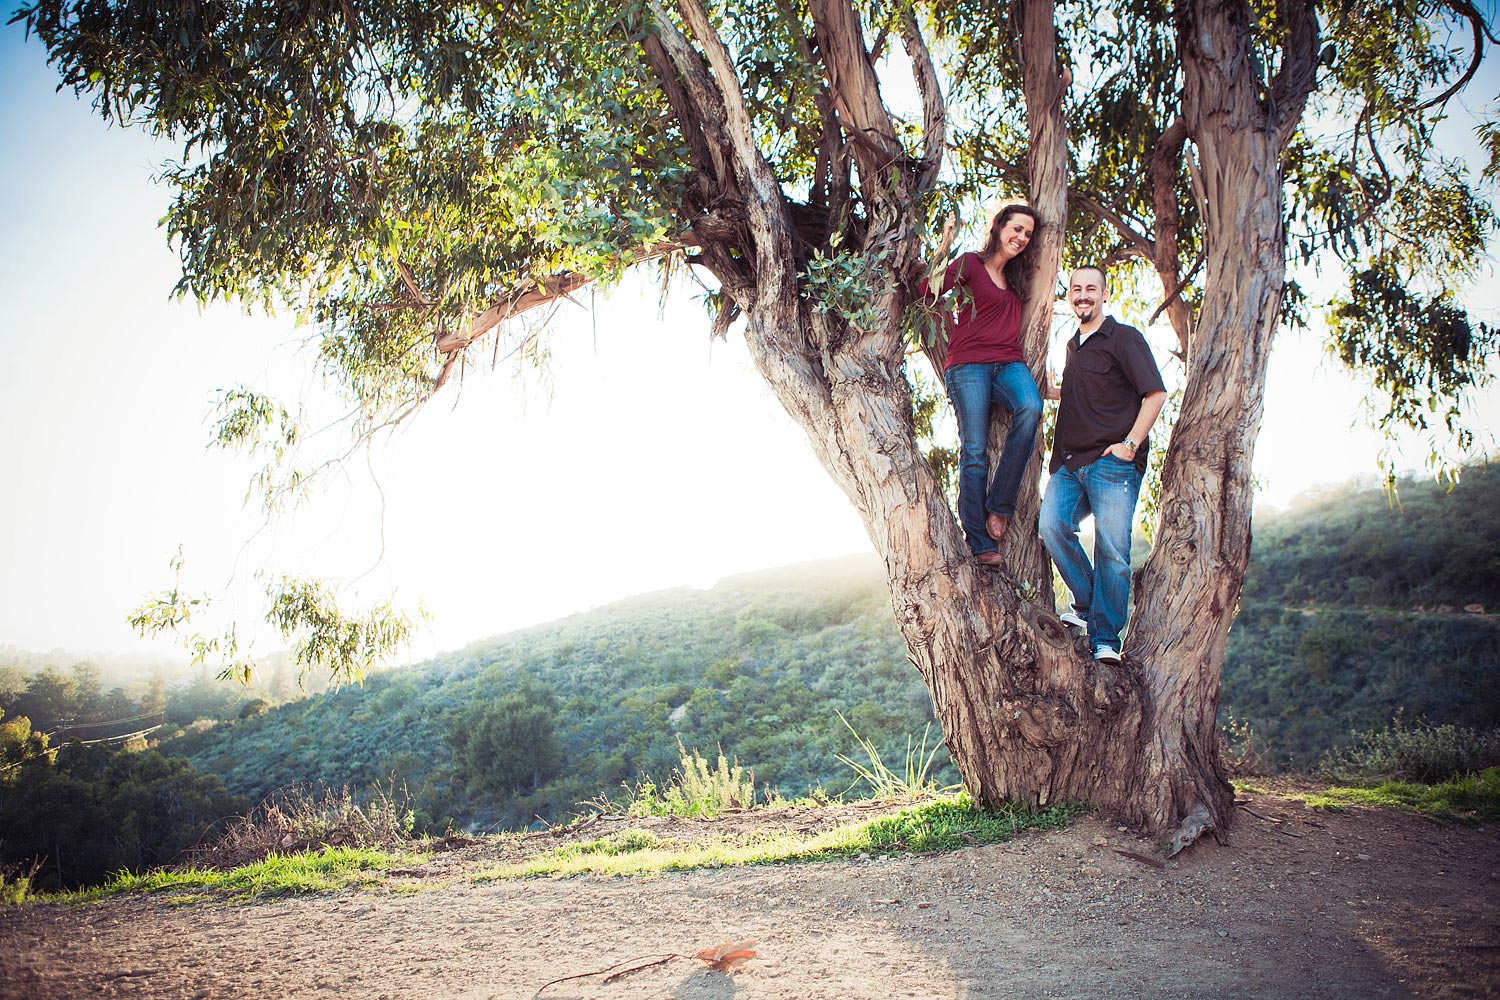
(407, 175)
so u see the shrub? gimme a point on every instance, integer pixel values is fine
(1416, 751)
(1243, 752)
(696, 789)
(299, 819)
(16, 882)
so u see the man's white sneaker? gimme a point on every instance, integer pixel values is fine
(1071, 619)
(1106, 655)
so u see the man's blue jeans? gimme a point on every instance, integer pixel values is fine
(972, 390)
(1107, 488)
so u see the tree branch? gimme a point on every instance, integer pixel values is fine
(766, 210)
(1297, 78)
(706, 100)
(1122, 253)
(772, 281)
(1043, 83)
(1174, 300)
(856, 94)
(410, 281)
(1166, 163)
(1138, 242)
(995, 160)
(934, 110)
(1199, 186)
(1476, 21)
(720, 236)
(689, 119)
(536, 294)
(831, 177)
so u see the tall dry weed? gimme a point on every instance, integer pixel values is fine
(303, 818)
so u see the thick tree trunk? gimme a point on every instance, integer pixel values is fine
(1188, 591)
(1026, 716)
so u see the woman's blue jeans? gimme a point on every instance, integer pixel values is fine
(973, 389)
(1107, 488)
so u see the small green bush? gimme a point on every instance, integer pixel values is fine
(1416, 751)
(696, 789)
(16, 882)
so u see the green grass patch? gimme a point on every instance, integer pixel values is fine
(1474, 798)
(624, 842)
(327, 870)
(943, 824)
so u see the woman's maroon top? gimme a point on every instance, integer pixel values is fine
(989, 328)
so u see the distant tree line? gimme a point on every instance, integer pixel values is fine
(80, 813)
(1359, 604)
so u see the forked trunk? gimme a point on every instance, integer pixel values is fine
(1026, 716)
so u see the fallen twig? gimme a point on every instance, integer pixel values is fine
(625, 972)
(1144, 859)
(726, 957)
(611, 974)
(1268, 819)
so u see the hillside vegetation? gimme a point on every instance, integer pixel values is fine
(1354, 610)
(533, 723)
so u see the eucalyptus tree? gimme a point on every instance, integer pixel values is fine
(413, 177)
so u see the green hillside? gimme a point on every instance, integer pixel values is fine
(534, 722)
(1352, 611)
(1355, 608)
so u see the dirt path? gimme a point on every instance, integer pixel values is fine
(1301, 904)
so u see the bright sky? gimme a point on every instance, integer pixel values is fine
(659, 458)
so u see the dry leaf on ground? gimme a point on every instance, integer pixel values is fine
(729, 956)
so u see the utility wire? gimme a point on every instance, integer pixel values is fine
(159, 713)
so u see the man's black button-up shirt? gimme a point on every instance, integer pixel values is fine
(1103, 383)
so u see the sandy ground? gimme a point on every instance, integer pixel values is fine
(1299, 904)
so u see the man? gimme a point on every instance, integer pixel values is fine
(1111, 394)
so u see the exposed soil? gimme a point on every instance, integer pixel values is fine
(1300, 903)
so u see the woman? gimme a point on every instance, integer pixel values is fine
(984, 367)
